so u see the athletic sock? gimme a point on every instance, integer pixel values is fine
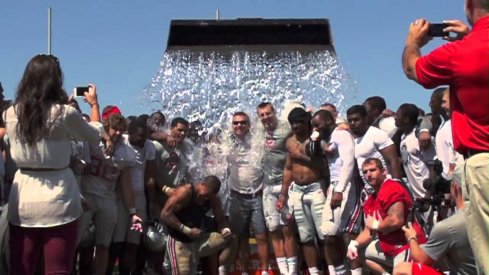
(331, 270)
(356, 271)
(313, 271)
(340, 270)
(282, 265)
(222, 270)
(292, 264)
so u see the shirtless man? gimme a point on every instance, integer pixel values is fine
(305, 176)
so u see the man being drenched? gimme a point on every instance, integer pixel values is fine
(305, 175)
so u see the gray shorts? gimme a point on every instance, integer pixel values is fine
(123, 232)
(104, 217)
(244, 210)
(274, 220)
(307, 203)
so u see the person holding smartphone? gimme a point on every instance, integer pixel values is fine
(462, 64)
(44, 202)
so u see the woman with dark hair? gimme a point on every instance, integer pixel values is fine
(44, 202)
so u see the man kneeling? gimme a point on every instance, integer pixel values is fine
(386, 211)
(183, 214)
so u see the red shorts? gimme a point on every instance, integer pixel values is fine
(421, 269)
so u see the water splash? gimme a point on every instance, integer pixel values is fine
(209, 86)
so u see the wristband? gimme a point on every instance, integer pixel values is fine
(185, 229)
(412, 238)
(165, 189)
(353, 244)
(226, 230)
(375, 225)
(132, 211)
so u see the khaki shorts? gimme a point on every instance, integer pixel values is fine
(104, 217)
(123, 232)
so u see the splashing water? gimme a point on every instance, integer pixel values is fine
(210, 87)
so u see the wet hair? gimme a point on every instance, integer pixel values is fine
(327, 104)
(178, 120)
(357, 109)
(240, 113)
(299, 115)
(115, 122)
(325, 115)
(135, 125)
(376, 102)
(265, 104)
(377, 162)
(39, 89)
(213, 183)
(410, 111)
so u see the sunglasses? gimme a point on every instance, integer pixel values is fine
(244, 122)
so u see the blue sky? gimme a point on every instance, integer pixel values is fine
(118, 44)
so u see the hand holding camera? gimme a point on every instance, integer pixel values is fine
(89, 93)
(456, 26)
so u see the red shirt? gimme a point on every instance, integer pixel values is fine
(464, 66)
(379, 203)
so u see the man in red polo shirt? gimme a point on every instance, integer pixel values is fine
(463, 64)
(386, 212)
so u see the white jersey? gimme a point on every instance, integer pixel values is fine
(369, 146)
(104, 170)
(444, 148)
(341, 164)
(148, 152)
(415, 162)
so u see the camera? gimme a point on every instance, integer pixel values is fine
(436, 186)
(80, 91)
(437, 191)
(436, 30)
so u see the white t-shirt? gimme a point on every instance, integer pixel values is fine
(444, 148)
(415, 162)
(104, 171)
(369, 146)
(388, 125)
(148, 152)
(342, 162)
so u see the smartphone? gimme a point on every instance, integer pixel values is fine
(80, 91)
(436, 30)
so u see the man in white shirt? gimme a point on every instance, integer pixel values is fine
(125, 242)
(374, 106)
(246, 193)
(415, 160)
(445, 152)
(341, 213)
(98, 187)
(371, 142)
